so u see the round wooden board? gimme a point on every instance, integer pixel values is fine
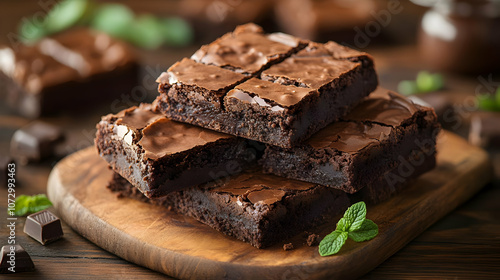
(181, 247)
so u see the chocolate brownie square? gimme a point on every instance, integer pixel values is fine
(373, 139)
(158, 155)
(280, 101)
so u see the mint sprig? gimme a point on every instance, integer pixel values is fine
(353, 225)
(425, 82)
(489, 102)
(26, 204)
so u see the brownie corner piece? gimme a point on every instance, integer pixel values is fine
(158, 155)
(368, 143)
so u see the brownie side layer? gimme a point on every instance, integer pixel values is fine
(350, 155)
(159, 156)
(253, 207)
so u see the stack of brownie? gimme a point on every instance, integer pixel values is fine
(263, 136)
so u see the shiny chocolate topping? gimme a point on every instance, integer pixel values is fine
(191, 73)
(314, 71)
(269, 94)
(383, 107)
(164, 137)
(367, 124)
(257, 187)
(137, 118)
(246, 50)
(71, 55)
(349, 137)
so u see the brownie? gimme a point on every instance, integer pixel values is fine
(253, 207)
(277, 94)
(379, 135)
(66, 72)
(158, 155)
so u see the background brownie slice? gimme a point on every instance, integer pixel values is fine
(66, 72)
(373, 139)
(247, 49)
(253, 207)
(158, 155)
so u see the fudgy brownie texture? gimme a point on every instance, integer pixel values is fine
(253, 207)
(66, 72)
(158, 155)
(376, 137)
(274, 89)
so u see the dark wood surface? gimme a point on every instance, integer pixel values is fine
(463, 245)
(187, 249)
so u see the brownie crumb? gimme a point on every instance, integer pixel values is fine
(312, 240)
(288, 247)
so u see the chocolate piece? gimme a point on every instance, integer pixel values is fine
(66, 72)
(288, 246)
(15, 259)
(253, 207)
(441, 104)
(283, 105)
(158, 155)
(4, 169)
(247, 50)
(369, 142)
(43, 226)
(35, 142)
(485, 129)
(313, 240)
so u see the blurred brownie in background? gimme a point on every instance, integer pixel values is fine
(73, 70)
(323, 20)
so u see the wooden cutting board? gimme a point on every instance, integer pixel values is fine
(181, 247)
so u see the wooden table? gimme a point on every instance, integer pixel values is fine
(463, 245)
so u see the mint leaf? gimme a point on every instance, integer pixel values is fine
(332, 243)
(407, 87)
(114, 19)
(486, 102)
(66, 14)
(39, 202)
(342, 225)
(354, 216)
(176, 31)
(367, 231)
(146, 32)
(22, 205)
(25, 204)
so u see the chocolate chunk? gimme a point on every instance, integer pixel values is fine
(312, 240)
(15, 259)
(35, 142)
(4, 169)
(43, 226)
(442, 105)
(485, 129)
(288, 246)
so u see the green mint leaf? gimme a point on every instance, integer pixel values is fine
(367, 231)
(485, 102)
(342, 225)
(332, 243)
(146, 32)
(407, 87)
(31, 31)
(425, 82)
(176, 31)
(39, 202)
(355, 215)
(114, 19)
(66, 14)
(25, 204)
(22, 205)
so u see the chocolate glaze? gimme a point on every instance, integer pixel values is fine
(255, 187)
(246, 50)
(160, 136)
(189, 72)
(367, 124)
(72, 55)
(258, 91)
(383, 107)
